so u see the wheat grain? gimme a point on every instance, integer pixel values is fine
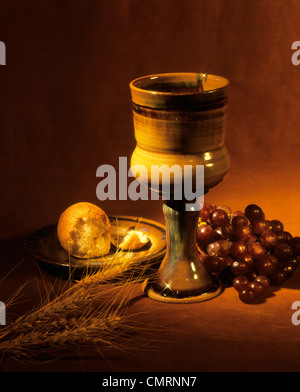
(89, 314)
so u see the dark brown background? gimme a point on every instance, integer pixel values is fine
(65, 109)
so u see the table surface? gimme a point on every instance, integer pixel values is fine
(221, 334)
(63, 114)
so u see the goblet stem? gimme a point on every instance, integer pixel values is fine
(181, 274)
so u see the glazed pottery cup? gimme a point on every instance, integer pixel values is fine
(180, 119)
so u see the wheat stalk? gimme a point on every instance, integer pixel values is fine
(55, 342)
(89, 314)
(75, 299)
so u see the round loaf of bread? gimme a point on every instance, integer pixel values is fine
(84, 230)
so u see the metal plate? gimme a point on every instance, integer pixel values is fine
(46, 249)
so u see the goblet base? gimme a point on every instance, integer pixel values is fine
(149, 291)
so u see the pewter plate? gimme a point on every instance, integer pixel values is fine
(44, 247)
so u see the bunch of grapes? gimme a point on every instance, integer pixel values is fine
(245, 249)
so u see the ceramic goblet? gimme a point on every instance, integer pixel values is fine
(180, 119)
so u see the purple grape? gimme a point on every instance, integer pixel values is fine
(243, 233)
(239, 267)
(257, 287)
(253, 212)
(281, 237)
(220, 248)
(218, 218)
(266, 264)
(205, 234)
(239, 220)
(256, 250)
(205, 213)
(288, 237)
(226, 232)
(239, 249)
(264, 280)
(277, 226)
(240, 283)
(260, 226)
(247, 295)
(268, 239)
(283, 251)
(226, 209)
(294, 262)
(213, 264)
(287, 269)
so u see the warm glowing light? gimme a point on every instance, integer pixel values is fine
(193, 266)
(167, 286)
(207, 156)
(195, 276)
(209, 164)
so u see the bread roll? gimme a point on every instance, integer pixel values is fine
(134, 240)
(84, 230)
